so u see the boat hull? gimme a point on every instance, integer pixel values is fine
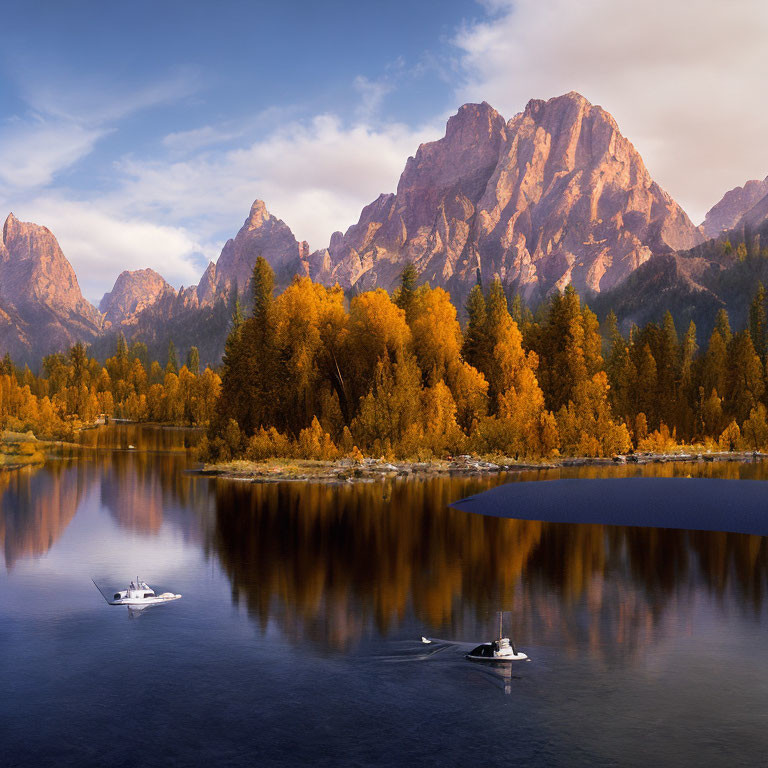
(136, 602)
(499, 659)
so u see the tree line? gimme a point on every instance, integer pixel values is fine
(309, 374)
(73, 390)
(312, 374)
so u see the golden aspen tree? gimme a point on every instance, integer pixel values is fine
(586, 424)
(754, 430)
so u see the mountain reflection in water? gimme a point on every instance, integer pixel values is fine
(335, 564)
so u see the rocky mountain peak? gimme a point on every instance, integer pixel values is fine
(9, 225)
(36, 269)
(42, 306)
(737, 202)
(258, 216)
(554, 196)
(132, 293)
(262, 234)
(471, 123)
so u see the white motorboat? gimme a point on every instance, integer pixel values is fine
(138, 595)
(500, 650)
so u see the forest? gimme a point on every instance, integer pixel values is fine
(313, 374)
(310, 374)
(73, 390)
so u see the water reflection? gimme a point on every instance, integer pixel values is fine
(36, 506)
(139, 488)
(332, 565)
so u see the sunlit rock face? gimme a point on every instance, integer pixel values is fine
(262, 234)
(132, 293)
(554, 196)
(735, 203)
(41, 306)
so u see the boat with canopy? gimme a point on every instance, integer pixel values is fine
(138, 595)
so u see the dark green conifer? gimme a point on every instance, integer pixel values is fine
(757, 320)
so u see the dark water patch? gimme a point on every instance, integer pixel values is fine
(692, 504)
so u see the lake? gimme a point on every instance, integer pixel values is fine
(297, 639)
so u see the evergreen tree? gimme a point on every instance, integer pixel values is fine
(404, 295)
(568, 345)
(172, 366)
(723, 326)
(622, 374)
(757, 321)
(647, 387)
(745, 377)
(474, 334)
(122, 347)
(140, 352)
(250, 379)
(668, 361)
(714, 366)
(263, 287)
(686, 394)
(231, 404)
(193, 361)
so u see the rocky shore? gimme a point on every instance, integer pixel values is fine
(348, 470)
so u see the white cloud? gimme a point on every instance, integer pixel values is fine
(33, 150)
(198, 138)
(315, 175)
(372, 93)
(683, 79)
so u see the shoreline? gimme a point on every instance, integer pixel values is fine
(349, 471)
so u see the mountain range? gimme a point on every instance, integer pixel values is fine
(554, 196)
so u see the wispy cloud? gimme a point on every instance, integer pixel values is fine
(62, 125)
(315, 174)
(34, 149)
(95, 100)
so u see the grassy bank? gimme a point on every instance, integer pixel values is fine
(19, 449)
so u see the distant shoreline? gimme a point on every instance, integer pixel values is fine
(347, 471)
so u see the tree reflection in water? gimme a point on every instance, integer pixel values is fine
(332, 563)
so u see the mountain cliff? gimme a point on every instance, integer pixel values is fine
(41, 306)
(132, 293)
(554, 196)
(262, 234)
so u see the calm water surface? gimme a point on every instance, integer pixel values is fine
(297, 639)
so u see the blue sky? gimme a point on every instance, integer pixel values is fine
(141, 132)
